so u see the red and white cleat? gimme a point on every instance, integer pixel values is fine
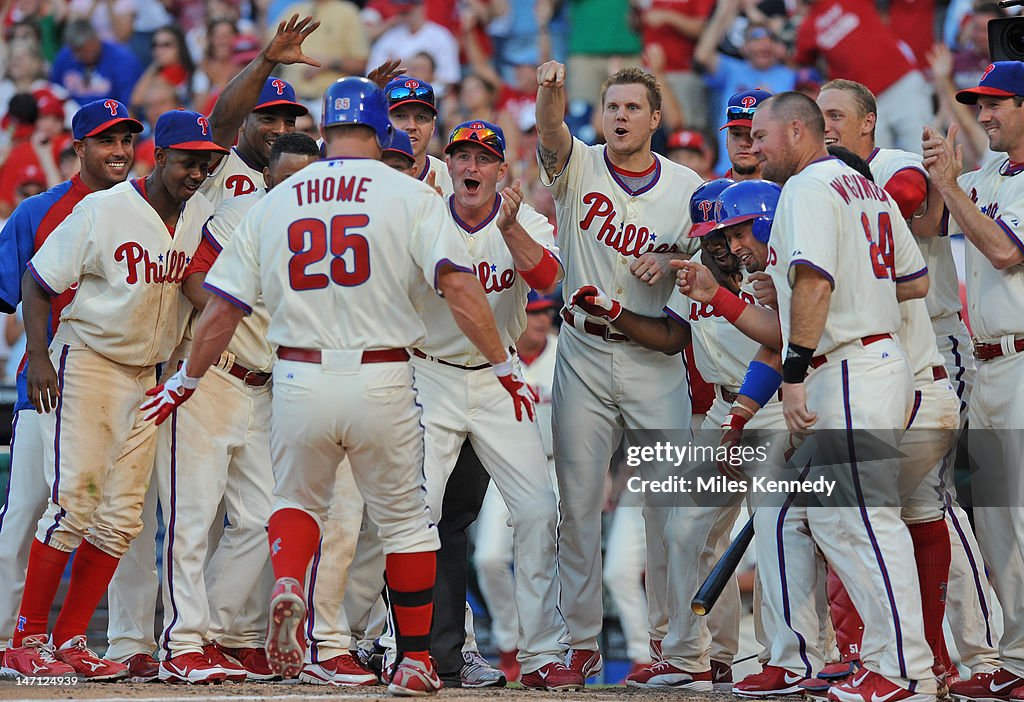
(414, 678)
(232, 669)
(994, 686)
(34, 659)
(192, 668)
(143, 668)
(585, 662)
(721, 676)
(555, 676)
(868, 686)
(664, 674)
(254, 660)
(770, 682)
(88, 666)
(285, 644)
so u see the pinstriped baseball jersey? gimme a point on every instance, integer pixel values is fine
(835, 220)
(603, 227)
(505, 289)
(943, 297)
(338, 251)
(994, 296)
(442, 179)
(129, 305)
(249, 344)
(232, 177)
(722, 352)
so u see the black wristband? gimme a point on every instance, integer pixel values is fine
(798, 360)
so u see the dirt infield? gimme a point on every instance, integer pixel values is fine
(271, 692)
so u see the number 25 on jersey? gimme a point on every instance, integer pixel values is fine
(309, 241)
(882, 254)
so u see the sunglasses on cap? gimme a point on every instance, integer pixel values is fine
(482, 135)
(746, 113)
(420, 92)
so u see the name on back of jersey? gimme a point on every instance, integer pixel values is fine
(854, 185)
(628, 239)
(331, 189)
(141, 266)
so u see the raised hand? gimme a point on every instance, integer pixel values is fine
(551, 75)
(511, 199)
(286, 46)
(386, 72)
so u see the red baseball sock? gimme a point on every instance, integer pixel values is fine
(932, 554)
(45, 567)
(91, 572)
(294, 536)
(410, 578)
(845, 619)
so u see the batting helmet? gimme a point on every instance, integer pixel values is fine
(749, 200)
(356, 100)
(702, 205)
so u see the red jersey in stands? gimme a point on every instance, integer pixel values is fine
(677, 46)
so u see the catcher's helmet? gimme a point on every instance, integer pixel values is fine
(749, 200)
(702, 205)
(356, 100)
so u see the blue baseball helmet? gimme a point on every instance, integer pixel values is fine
(749, 200)
(702, 205)
(356, 100)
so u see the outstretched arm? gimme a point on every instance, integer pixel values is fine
(553, 138)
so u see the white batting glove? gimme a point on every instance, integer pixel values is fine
(596, 302)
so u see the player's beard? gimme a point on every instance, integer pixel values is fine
(779, 170)
(744, 170)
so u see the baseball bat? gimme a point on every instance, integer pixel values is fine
(713, 585)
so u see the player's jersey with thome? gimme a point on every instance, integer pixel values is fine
(505, 289)
(325, 233)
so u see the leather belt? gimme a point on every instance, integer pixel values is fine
(593, 328)
(287, 353)
(864, 340)
(419, 354)
(252, 378)
(939, 373)
(986, 352)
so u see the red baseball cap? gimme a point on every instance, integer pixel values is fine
(687, 139)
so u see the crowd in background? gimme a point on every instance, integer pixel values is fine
(481, 56)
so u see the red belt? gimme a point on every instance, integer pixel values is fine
(864, 340)
(419, 354)
(595, 329)
(287, 353)
(246, 375)
(939, 373)
(986, 352)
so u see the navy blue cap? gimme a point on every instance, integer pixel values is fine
(100, 115)
(185, 130)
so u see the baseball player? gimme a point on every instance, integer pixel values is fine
(984, 205)
(263, 108)
(95, 376)
(493, 547)
(412, 110)
(253, 110)
(105, 147)
(512, 248)
(722, 353)
(218, 449)
(849, 110)
(738, 114)
(613, 208)
(856, 375)
(399, 154)
(342, 384)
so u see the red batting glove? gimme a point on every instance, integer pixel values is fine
(522, 394)
(732, 435)
(595, 302)
(166, 397)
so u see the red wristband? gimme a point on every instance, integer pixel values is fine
(543, 275)
(728, 305)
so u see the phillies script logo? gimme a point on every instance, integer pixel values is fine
(491, 280)
(240, 185)
(748, 101)
(706, 207)
(991, 67)
(279, 86)
(627, 239)
(704, 310)
(112, 106)
(412, 84)
(166, 269)
(203, 124)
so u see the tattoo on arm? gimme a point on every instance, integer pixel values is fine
(548, 158)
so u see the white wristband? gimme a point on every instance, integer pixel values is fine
(504, 368)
